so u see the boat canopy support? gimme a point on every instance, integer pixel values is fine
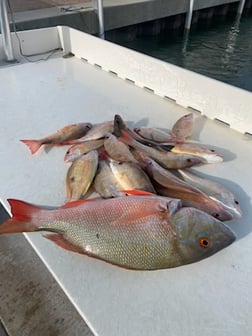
(5, 31)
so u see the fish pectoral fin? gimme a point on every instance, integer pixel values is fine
(41, 228)
(61, 241)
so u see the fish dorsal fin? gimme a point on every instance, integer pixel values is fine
(22, 211)
(136, 192)
(76, 203)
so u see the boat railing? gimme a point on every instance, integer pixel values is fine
(5, 30)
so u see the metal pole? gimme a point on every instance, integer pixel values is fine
(189, 15)
(101, 19)
(98, 7)
(241, 7)
(5, 31)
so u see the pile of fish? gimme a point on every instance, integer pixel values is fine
(153, 212)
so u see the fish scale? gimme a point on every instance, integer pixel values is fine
(140, 243)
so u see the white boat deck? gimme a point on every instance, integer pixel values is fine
(213, 296)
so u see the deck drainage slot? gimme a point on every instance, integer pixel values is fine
(131, 81)
(170, 99)
(98, 66)
(148, 89)
(84, 59)
(248, 135)
(68, 55)
(222, 122)
(113, 73)
(193, 109)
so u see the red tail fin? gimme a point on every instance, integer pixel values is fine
(33, 145)
(21, 220)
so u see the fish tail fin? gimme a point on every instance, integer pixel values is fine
(22, 218)
(119, 125)
(33, 145)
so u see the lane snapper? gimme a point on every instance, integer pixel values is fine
(80, 175)
(118, 150)
(166, 159)
(130, 175)
(189, 195)
(216, 191)
(153, 134)
(207, 154)
(135, 232)
(76, 151)
(98, 131)
(105, 183)
(61, 136)
(183, 128)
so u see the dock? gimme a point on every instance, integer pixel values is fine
(118, 14)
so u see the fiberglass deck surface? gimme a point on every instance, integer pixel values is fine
(213, 296)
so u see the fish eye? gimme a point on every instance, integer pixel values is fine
(212, 150)
(204, 242)
(189, 160)
(236, 202)
(68, 152)
(216, 215)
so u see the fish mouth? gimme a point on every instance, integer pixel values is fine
(228, 212)
(229, 236)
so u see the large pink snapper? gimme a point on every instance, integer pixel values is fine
(136, 232)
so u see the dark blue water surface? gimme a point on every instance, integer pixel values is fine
(222, 51)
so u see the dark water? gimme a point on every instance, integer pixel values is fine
(222, 51)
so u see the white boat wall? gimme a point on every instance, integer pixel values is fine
(211, 98)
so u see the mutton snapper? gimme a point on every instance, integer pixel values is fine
(60, 137)
(135, 232)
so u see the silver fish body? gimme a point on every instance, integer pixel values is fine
(80, 175)
(166, 159)
(216, 191)
(117, 150)
(77, 150)
(153, 134)
(171, 186)
(98, 131)
(207, 154)
(130, 176)
(105, 183)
